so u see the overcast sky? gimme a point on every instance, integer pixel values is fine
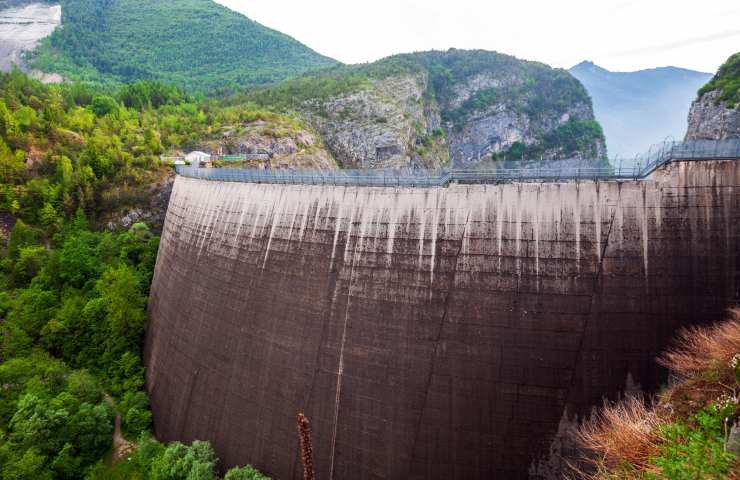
(621, 35)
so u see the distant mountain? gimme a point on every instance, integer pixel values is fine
(432, 109)
(638, 109)
(197, 44)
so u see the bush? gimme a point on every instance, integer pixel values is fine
(137, 418)
(695, 449)
(103, 105)
(698, 350)
(683, 435)
(245, 473)
(182, 462)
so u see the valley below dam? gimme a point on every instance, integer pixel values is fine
(427, 333)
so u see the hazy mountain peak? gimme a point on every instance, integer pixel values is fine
(640, 108)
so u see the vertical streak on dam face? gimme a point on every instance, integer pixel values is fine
(426, 333)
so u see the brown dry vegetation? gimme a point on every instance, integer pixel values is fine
(623, 432)
(699, 350)
(622, 437)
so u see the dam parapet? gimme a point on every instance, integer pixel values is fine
(535, 171)
(426, 332)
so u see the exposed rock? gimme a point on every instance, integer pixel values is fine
(22, 27)
(379, 126)
(436, 109)
(286, 145)
(712, 120)
(152, 214)
(733, 439)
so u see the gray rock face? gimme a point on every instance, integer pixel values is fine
(709, 120)
(397, 123)
(22, 28)
(287, 146)
(378, 127)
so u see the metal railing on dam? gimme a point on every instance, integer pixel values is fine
(646, 164)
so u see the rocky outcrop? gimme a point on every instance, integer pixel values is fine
(285, 144)
(380, 126)
(480, 132)
(152, 211)
(437, 109)
(22, 27)
(710, 119)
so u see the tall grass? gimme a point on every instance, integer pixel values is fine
(629, 439)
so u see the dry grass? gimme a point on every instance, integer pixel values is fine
(622, 433)
(699, 350)
(622, 437)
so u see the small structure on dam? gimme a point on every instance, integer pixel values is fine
(427, 333)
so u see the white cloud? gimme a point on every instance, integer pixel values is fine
(617, 34)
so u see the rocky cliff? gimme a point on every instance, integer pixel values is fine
(715, 114)
(285, 142)
(438, 108)
(711, 119)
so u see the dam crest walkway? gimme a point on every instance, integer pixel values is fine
(643, 166)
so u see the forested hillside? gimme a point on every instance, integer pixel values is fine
(196, 44)
(73, 295)
(430, 108)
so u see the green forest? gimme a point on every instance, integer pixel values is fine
(196, 44)
(73, 295)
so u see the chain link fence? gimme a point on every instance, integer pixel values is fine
(644, 165)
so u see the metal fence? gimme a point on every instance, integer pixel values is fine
(644, 165)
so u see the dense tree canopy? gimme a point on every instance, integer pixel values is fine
(72, 297)
(196, 44)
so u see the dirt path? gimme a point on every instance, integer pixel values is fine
(122, 448)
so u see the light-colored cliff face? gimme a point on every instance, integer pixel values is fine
(287, 144)
(438, 333)
(403, 121)
(495, 127)
(22, 28)
(432, 109)
(713, 120)
(382, 125)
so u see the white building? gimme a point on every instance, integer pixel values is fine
(198, 159)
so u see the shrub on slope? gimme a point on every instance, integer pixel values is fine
(684, 434)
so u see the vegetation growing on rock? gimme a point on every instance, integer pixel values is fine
(727, 82)
(481, 102)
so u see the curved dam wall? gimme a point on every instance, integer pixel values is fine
(426, 333)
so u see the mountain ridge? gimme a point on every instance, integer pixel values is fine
(642, 107)
(427, 109)
(197, 44)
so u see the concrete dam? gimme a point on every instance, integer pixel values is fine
(427, 333)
